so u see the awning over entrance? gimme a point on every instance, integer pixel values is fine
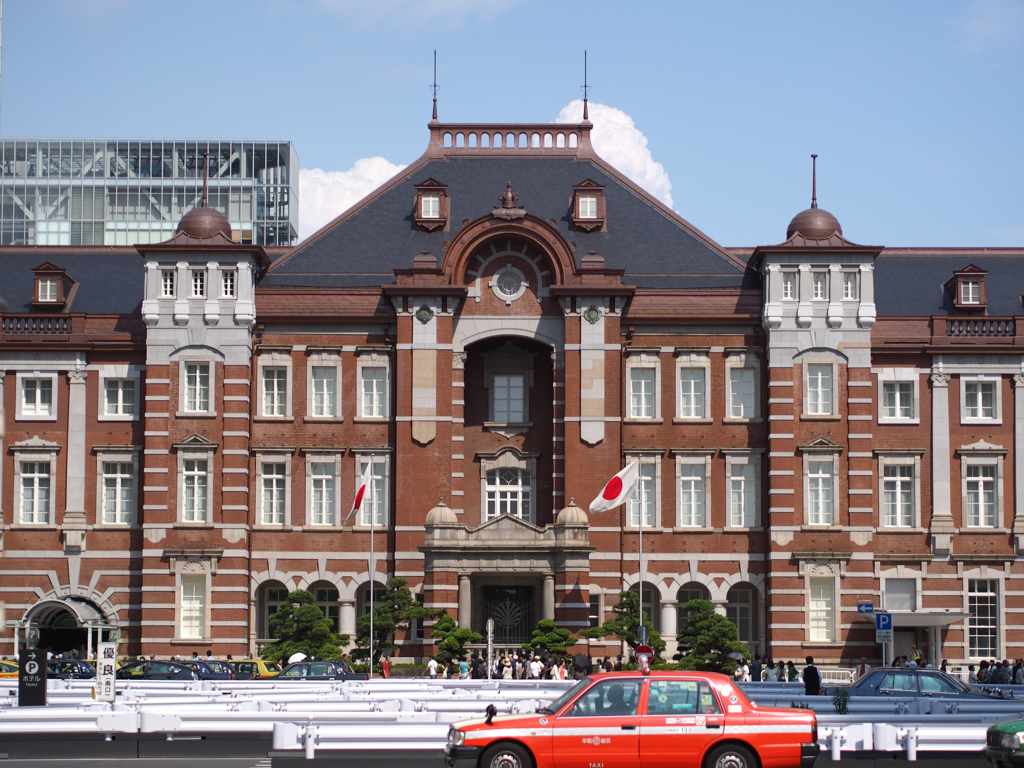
(919, 618)
(44, 612)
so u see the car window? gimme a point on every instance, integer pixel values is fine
(247, 669)
(899, 682)
(134, 670)
(320, 668)
(937, 684)
(681, 696)
(219, 667)
(159, 668)
(299, 670)
(609, 698)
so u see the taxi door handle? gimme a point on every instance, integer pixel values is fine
(629, 727)
(713, 725)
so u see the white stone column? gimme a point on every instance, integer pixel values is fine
(835, 296)
(1018, 460)
(3, 418)
(804, 314)
(347, 616)
(74, 522)
(182, 291)
(720, 606)
(942, 516)
(668, 618)
(548, 603)
(211, 309)
(465, 601)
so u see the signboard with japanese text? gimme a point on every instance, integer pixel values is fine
(883, 627)
(106, 669)
(32, 678)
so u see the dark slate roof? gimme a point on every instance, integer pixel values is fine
(362, 248)
(916, 282)
(110, 280)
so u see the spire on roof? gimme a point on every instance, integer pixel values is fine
(586, 87)
(814, 181)
(434, 87)
(206, 163)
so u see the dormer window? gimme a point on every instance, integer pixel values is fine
(53, 288)
(588, 206)
(47, 289)
(969, 289)
(431, 205)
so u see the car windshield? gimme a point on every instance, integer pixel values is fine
(565, 698)
(219, 667)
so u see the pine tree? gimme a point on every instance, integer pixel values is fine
(394, 609)
(626, 624)
(452, 638)
(548, 636)
(707, 639)
(299, 626)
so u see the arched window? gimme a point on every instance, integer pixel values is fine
(326, 598)
(740, 611)
(508, 493)
(688, 592)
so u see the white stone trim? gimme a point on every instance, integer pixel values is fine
(833, 457)
(990, 573)
(647, 459)
(805, 364)
(192, 567)
(324, 359)
(737, 457)
(119, 371)
(373, 359)
(273, 457)
(641, 361)
(899, 459)
(998, 388)
(211, 363)
(693, 361)
(982, 458)
(273, 359)
(822, 570)
(508, 458)
(702, 460)
(329, 458)
(129, 455)
(742, 360)
(53, 377)
(34, 450)
(893, 376)
(198, 453)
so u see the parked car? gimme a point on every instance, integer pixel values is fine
(1003, 744)
(8, 669)
(318, 670)
(252, 669)
(208, 669)
(910, 682)
(622, 719)
(69, 669)
(156, 670)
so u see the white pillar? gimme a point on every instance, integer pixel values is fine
(347, 616)
(2, 422)
(720, 606)
(548, 602)
(668, 619)
(74, 522)
(1018, 459)
(942, 517)
(465, 601)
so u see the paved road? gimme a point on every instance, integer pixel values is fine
(221, 762)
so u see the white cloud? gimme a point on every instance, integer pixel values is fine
(619, 142)
(992, 23)
(323, 195)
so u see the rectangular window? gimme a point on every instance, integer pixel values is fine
(850, 286)
(227, 284)
(980, 399)
(970, 292)
(509, 492)
(274, 391)
(741, 393)
(898, 496)
(691, 393)
(322, 494)
(588, 206)
(738, 611)
(273, 494)
(819, 492)
(508, 397)
(195, 485)
(691, 495)
(47, 288)
(595, 611)
(431, 207)
(741, 496)
(822, 610)
(118, 493)
(901, 594)
(641, 393)
(198, 284)
(167, 284)
(325, 386)
(37, 397)
(789, 286)
(378, 500)
(819, 390)
(193, 605)
(981, 496)
(646, 502)
(197, 387)
(35, 491)
(120, 397)
(819, 285)
(373, 383)
(897, 400)
(983, 624)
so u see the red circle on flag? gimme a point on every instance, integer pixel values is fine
(359, 497)
(613, 490)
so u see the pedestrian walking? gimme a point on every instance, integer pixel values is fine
(432, 669)
(771, 672)
(385, 667)
(755, 668)
(792, 673)
(812, 678)
(972, 676)
(463, 670)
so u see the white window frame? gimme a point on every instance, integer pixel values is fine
(973, 297)
(526, 493)
(373, 359)
(650, 474)
(524, 403)
(587, 205)
(900, 459)
(790, 279)
(982, 459)
(119, 373)
(432, 211)
(196, 453)
(23, 376)
(324, 359)
(895, 376)
(333, 461)
(834, 405)
(821, 457)
(128, 455)
(51, 283)
(693, 361)
(228, 283)
(742, 360)
(183, 571)
(382, 470)
(985, 573)
(273, 459)
(643, 359)
(824, 572)
(819, 279)
(902, 573)
(997, 383)
(742, 458)
(168, 283)
(35, 456)
(851, 285)
(211, 367)
(274, 359)
(197, 283)
(689, 460)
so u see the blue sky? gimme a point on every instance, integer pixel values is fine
(916, 109)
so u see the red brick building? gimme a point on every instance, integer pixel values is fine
(496, 331)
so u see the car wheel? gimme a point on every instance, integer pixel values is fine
(731, 756)
(507, 755)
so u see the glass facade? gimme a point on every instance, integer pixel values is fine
(125, 192)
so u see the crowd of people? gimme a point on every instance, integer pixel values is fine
(997, 673)
(522, 665)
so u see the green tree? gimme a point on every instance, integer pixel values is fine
(394, 609)
(626, 624)
(548, 636)
(299, 626)
(452, 638)
(707, 639)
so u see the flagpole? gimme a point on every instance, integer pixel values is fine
(640, 586)
(373, 562)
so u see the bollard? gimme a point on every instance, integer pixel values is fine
(911, 741)
(835, 742)
(309, 742)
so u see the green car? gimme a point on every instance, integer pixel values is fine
(1003, 743)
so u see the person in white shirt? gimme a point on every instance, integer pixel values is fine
(771, 672)
(746, 672)
(535, 669)
(863, 668)
(432, 669)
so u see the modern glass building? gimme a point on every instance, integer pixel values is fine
(123, 192)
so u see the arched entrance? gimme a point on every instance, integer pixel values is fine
(67, 624)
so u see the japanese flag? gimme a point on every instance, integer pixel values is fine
(363, 493)
(618, 490)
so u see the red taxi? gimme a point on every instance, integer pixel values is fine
(627, 719)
